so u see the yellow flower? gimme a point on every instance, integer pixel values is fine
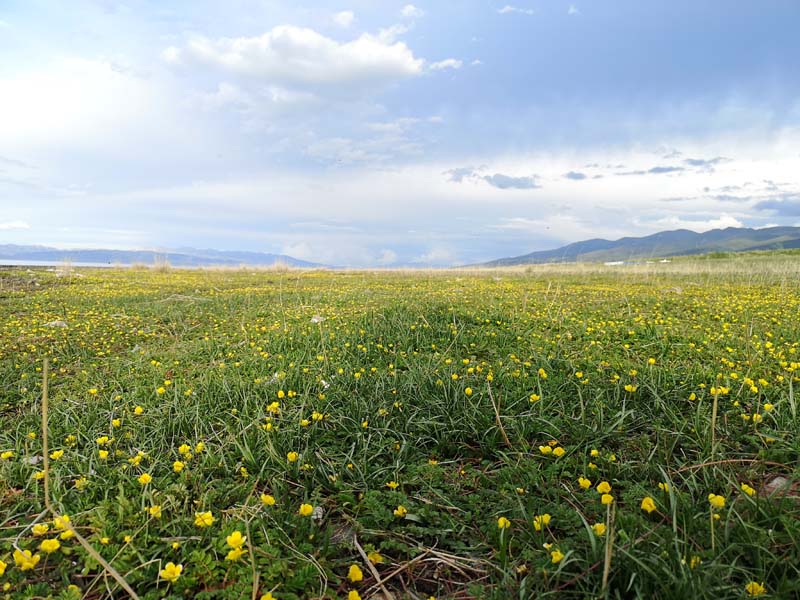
(375, 558)
(199, 447)
(171, 572)
(556, 556)
(594, 453)
(542, 373)
(49, 546)
(545, 449)
(648, 504)
(716, 501)
(353, 595)
(203, 519)
(558, 451)
(267, 596)
(393, 485)
(305, 510)
(178, 466)
(606, 499)
(116, 422)
(354, 574)
(25, 560)
(40, 529)
(748, 490)
(267, 500)
(534, 398)
(61, 523)
(235, 554)
(138, 410)
(468, 391)
(541, 521)
(599, 529)
(236, 539)
(292, 456)
(603, 487)
(502, 522)
(144, 478)
(755, 589)
(664, 487)
(401, 512)
(103, 454)
(768, 407)
(56, 454)
(8, 454)
(155, 511)
(584, 483)
(2, 568)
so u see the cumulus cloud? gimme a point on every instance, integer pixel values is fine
(575, 175)
(508, 9)
(299, 56)
(573, 10)
(14, 225)
(344, 18)
(409, 11)
(449, 63)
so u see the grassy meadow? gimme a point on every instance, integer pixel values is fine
(552, 432)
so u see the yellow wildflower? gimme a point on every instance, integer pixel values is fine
(171, 572)
(203, 519)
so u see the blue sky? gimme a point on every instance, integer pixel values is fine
(370, 133)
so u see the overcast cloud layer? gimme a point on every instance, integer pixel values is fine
(382, 134)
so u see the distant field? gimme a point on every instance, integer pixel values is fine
(571, 431)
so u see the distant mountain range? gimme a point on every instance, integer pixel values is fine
(680, 242)
(181, 257)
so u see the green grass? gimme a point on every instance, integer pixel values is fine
(384, 361)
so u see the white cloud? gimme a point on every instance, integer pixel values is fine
(300, 250)
(78, 103)
(344, 18)
(14, 225)
(288, 55)
(508, 9)
(409, 11)
(573, 10)
(387, 257)
(449, 63)
(437, 256)
(391, 33)
(476, 63)
(721, 222)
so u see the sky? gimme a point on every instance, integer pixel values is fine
(371, 133)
